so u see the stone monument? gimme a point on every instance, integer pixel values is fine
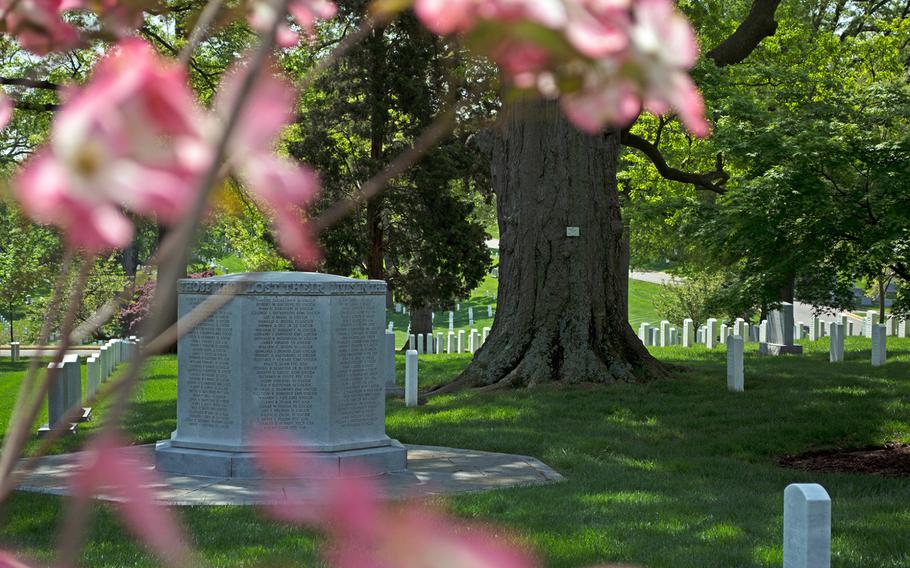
(300, 353)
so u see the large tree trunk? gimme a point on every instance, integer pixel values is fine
(563, 300)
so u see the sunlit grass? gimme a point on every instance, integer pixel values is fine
(676, 473)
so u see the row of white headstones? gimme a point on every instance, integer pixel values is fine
(668, 335)
(402, 310)
(455, 343)
(66, 391)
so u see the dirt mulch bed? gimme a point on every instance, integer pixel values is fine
(890, 460)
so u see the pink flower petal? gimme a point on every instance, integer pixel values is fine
(108, 466)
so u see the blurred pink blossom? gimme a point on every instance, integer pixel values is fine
(275, 183)
(108, 467)
(615, 57)
(38, 25)
(127, 140)
(364, 534)
(304, 12)
(6, 110)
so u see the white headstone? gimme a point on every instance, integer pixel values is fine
(807, 526)
(14, 351)
(92, 375)
(902, 329)
(879, 345)
(763, 331)
(643, 332)
(711, 331)
(474, 341)
(459, 347)
(450, 345)
(410, 378)
(389, 360)
(489, 311)
(735, 371)
(836, 350)
(688, 332)
(421, 344)
(798, 330)
(869, 320)
(738, 328)
(486, 334)
(664, 333)
(439, 349)
(723, 334)
(814, 329)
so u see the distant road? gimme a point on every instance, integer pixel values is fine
(801, 312)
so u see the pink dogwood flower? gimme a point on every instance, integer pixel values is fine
(305, 12)
(38, 25)
(125, 141)
(277, 184)
(614, 58)
(6, 111)
(363, 533)
(109, 467)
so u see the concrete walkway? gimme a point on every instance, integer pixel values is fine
(431, 471)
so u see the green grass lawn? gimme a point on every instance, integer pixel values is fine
(678, 473)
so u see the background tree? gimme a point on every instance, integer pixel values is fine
(562, 311)
(28, 257)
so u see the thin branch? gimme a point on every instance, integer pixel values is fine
(708, 181)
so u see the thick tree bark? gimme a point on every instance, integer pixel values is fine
(562, 311)
(421, 320)
(379, 115)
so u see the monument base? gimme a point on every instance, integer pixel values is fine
(776, 350)
(242, 465)
(46, 429)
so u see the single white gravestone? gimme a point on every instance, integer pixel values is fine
(723, 334)
(700, 338)
(879, 345)
(902, 329)
(486, 334)
(798, 330)
(459, 347)
(412, 343)
(643, 332)
(92, 375)
(711, 331)
(474, 341)
(735, 371)
(869, 320)
(836, 352)
(664, 333)
(738, 328)
(763, 331)
(388, 367)
(421, 344)
(807, 526)
(688, 335)
(489, 311)
(410, 378)
(450, 345)
(14, 351)
(439, 343)
(451, 321)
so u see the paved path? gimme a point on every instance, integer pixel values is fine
(801, 312)
(431, 471)
(85, 351)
